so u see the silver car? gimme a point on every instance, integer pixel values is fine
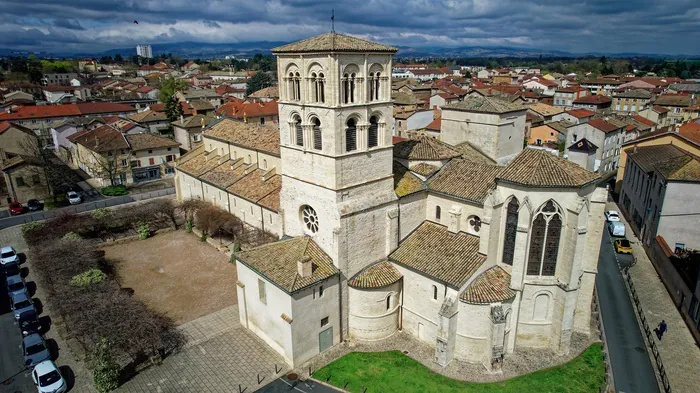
(35, 350)
(8, 255)
(20, 303)
(15, 284)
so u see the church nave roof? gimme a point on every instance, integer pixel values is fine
(491, 286)
(379, 275)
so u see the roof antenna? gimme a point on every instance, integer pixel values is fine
(332, 21)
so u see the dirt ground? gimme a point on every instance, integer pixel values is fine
(175, 274)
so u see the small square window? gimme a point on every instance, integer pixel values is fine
(150, 151)
(324, 321)
(170, 148)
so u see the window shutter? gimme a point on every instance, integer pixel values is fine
(373, 135)
(351, 138)
(318, 142)
(300, 134)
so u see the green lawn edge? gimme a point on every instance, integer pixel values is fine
(392, 371)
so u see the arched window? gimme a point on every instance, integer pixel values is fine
(299, 139)
(297, 85)
(388, 302)
(346, 89)
(351, 135)
(544, 241)
(373, 135)
(376, 85)
(352, 87)
(541, 307)
(318, 141)
(320, 88)
(438, 212)
(370, 81)
(434, 292)
(264, 164)
(291, 90)
(511, 231)
(314, 86)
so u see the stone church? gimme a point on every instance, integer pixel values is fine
(475, 246)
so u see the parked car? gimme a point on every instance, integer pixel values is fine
(8, 255)
(34, 205)
(35, 350)
(73, 197)
(29, 323)
(10, 268)
(20, 303)
(15, 284)
(16, 208)
(616, 228)
(612, 215)
(623, 246)
(48, 379)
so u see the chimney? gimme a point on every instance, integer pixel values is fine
(182, 119)
(304, 267)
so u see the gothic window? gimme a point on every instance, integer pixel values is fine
(310, 219)
(320, 88)
(351, 135)
(544, 241)
(437, 212)
(318, 141)
(373, 136)
(511, 231)
(298, 131)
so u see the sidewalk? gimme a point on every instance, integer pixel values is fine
(679, 353)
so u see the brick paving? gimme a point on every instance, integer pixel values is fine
(679, 352)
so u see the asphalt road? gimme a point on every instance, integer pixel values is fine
(631, 366)
(83, 207)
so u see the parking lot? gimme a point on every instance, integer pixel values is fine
(14, 375)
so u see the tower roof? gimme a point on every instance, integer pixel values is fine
(424, 148)
(334, 42)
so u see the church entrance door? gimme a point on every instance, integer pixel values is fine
(325, 339)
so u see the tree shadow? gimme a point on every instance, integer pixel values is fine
(38, 306)
(54, 349)
(31, 288)
(45, 323)
(24, 272)
(22, 257)
(68, 375)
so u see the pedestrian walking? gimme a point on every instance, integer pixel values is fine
(661, 329)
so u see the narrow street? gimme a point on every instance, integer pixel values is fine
(631, 366)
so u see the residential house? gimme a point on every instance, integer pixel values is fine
(607, 136)
(107, 155)
(684, 88)
(148, 92)
(565, 96)
(251, 112)
(685, 139)
(582, 152)
(657, 114)
(427, 74)
(189, 66)
(432, 130)
(594, 102)
(543, 85)
(411, 120)
(266, 94)
(437, 101)
(601, 86)
(58, 78)
(630, 101)
(188, 131)
(154, 122)
(578, 116)
(23, 171)
(546, 112)
(661, 193)
(56, 94)
(550, 134)
(16, 139)
(676, 104)
(192, 94)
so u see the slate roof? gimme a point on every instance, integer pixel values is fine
(646, 157)
(432, 250)
(379, 275)
(334, 42)
(484, 105)
(583, 145)
(405, 182)
(465, 179)
(491, 286)
(277, 262)
(539, 168)
(424, 148)
(250, 135)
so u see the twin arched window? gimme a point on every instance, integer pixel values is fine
(373, 82)
(317, 87)
(511, 231)
(544, 241)
(373, 132)
(349, 88)
(294, 86)
(298, 131)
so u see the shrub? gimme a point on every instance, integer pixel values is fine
(203, 238)
(101, 214)
(87, 278)
(115, 190)
(105, 372)
(188, 226)
(30, 227)
(144, 230)
(72, 236)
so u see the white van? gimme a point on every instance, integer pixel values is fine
(616, 228)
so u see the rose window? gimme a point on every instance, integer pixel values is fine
(308, 215)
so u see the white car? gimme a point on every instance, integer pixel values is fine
(73, 197)
(612, 216)
(48, 379)
(8, 255)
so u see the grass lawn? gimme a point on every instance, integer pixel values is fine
(393, 371)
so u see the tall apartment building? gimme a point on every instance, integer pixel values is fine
(144, 51)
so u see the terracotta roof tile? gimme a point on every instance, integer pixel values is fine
(538, 168)
(684, 168)
(673, 100)
(379, 275)
(434, 125)
(432, 250)
(580, 113)
(198, 164)
(424, 148)
(465, 179)
(256, 186)
(148, 115)
(474, 154)
(484, 105)
(646, 157)
(424, 169)
(405, 182)
(691, 131)
(278, 263)
(101, 139)
(603, 125)
(593, 99)
(491, 286)
(267, 92)
(149, 141)
(253, 136)
(334, 42)
(227, 173)
(644, 120)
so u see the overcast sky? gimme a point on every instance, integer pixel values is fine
(667, 26)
